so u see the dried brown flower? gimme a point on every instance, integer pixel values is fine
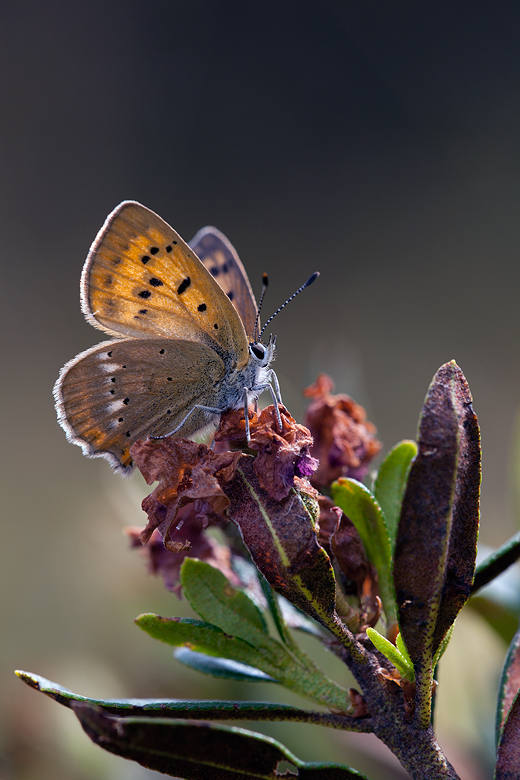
(197, 544)
(282, 456)
(187, 473)
(344, 442)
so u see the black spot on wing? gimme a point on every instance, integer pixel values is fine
(202, 307)
(155, 282)
(184, 285)
(154, 250)
(143, 311)
(144, 259)
(144, 294)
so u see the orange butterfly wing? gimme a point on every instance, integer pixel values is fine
(142, 280)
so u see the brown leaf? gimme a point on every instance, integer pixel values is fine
(281, 538)
(508, 751)
(510, 683)
(436, 538)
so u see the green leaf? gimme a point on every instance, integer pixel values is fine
(399, 643)
(435, 547)
(362, 509)
(213, 641)
(390, 483)
(442, 647)
(214, 599)
(496, 563)
(197, 710)
(199, 751)
(276, 613)
(296, 672)
(400, 660)
(220, 667)
(295, 618)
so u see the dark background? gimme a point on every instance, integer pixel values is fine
(377, 142)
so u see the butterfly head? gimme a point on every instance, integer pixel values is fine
(263, 354)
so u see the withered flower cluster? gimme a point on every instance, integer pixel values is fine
(228, 485)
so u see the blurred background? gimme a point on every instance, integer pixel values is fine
(377, 142)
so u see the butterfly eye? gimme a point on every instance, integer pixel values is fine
(258, 350)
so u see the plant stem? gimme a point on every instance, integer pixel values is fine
(415, 746)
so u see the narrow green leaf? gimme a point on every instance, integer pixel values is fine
(295, 618)
(321, 771)
(198, 710)
(399, 643)
(199, 751)
(362, 509)
(296, 672)
(402, 663)
(276, 613)
(497, 562)
(390, 483)
(215, 600)
(205, 638)
(442, 647)
(220, 667)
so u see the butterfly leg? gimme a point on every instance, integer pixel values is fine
(245, 398)
(275, 395)
(274, 379)
(198, 407)
(276, 399)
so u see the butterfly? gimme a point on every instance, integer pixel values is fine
(185, 346)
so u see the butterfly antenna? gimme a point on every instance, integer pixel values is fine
(265, 283)
(308, 283)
